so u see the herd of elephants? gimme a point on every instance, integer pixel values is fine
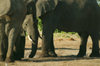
(20, 16)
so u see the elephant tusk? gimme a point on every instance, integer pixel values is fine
(6, 64)
(29, 38)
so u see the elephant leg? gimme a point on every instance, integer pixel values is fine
(51, 49)
(15, 49)
(82, 50)
(95, 47)
(47, 41)
(19, 48)
(1, 41)
(5, 46)
(11, 42)
(22, 46)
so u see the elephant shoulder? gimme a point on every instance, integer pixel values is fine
(44, 6)
(5, 6)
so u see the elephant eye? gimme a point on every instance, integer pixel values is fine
(26, 24)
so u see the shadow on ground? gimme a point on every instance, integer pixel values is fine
(56, 59)
(55, 49)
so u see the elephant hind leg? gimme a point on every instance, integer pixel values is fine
(11, 42)
(95, 47)
(19, 48)
(82, 50)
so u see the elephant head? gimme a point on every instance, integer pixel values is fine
(44, 6)
(31, 28)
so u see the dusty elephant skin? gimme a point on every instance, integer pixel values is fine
(10, 25)
(19, 48)
(30, 27)
(80, 16)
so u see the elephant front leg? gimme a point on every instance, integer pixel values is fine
(51, 49)
(47, 43)
(19, 48)
(82, 50)
(95, 47)
(11, 42)
(45, 46)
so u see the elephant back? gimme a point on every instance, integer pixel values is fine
(4, 6)
(44, 6)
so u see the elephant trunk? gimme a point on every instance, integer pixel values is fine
(33, 34)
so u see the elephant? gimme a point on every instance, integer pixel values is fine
(29, 26)
(12, 14)
(27, 22)
(80, 16)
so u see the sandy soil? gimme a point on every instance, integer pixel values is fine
(66, 49)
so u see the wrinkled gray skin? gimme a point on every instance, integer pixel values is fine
(12, 14)
(30, 26)
(80, 16)
(19, 48)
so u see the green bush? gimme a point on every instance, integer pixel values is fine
(40, 24)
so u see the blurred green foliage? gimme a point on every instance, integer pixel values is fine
(98, 1)
(39, 24)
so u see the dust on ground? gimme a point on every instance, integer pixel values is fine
(66, 48)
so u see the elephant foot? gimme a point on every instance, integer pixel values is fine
(49, 54)
(2, 58)
(44, 55)
(52, 54)
(94, 55)
(8, 60)
(81, 54)
(17, 58)
(31, 55)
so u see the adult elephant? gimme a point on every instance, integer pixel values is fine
(29, 26)
(12, 14)
(71, 16)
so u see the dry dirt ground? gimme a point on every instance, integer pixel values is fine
(66, 48)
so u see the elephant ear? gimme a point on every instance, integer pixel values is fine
(4, 6)
(44, 6)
